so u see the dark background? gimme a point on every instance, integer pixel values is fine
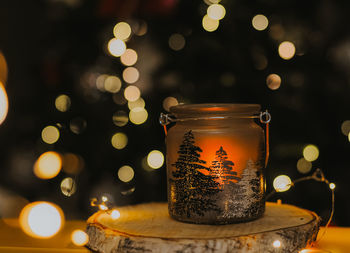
(56, 47)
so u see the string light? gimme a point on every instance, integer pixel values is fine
(310, 153)
(277, 244)
(122, 31)
(260, 22)
(4, 103)
(48, 165)
(62, 103)
(138, 115)
(50, 134)
(209, 24)
(41, 219)
(131, 75)
(155, 159)
(273, 81)
(115, 214)
(116, 47)
(286, 50)
(126, 173)
(119, 140)
(332, 186)
(282, 183)
(216, 11)
(129, 58)
(79, 237)
(103, 207)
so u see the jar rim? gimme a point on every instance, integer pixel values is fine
(187, 110)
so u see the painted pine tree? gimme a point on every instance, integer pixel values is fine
(222, 168)
(193, 189)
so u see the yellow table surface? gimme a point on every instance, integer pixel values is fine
(13, 239)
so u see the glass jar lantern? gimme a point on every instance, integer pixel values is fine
(216, 155)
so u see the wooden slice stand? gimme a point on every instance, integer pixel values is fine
(148, 228)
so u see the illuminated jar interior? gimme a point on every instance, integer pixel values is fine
(220, 143)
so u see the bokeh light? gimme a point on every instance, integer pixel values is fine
(115, 214)
(286, 50)
(282, 183)
(62, 103)
(116, 47)
(277, 244)
(126, 173)
(3, 69)
(140, 28)
(48, 165)
(345, 127)
(41, 219)
(72, 163)
(131, 75)
(79, 237)
(119, 98)
(68, 186)
(77, 125)
(138, 103)
(332, 186)
(112, 84)
(216, 11)
(273, 81)
(103, 207)
(209, 24)
(260, 22)
(349, 136)
(155, 159)
(129, 58)
(311, 153)
(169, 102)
(4, 103)
(138, 115)
(100, 82)
(122, 30)
(120, 118)
(132, 93)
(176, 42)
(50, 134)
(304, 166)
(119, 140)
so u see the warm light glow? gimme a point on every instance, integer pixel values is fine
(282, 183)
(104, 198)
(132, 93)
(138, 103)
(68, 186)
(277, 244)
(332, 186)
(310, 153)
(79, 237)
(50, 134)
(176, 41)
(103, 207)
(119, 140)
(209, 24)
(126, 174)
(116, 47)
(120, 118)
(41, 219)
(115, 214)
(48, 165)
(169, 102)
(100, 82)
(273, 81)
(129, 58)
(216, 11)
(131, 75)
(122, 30)
(304, 166)
(138, 115)
(260, 22)
(349, 136)
(4, 103)
(72, 163)
(345, 127)
(286, 50)
(3, 69)
(112, 84)
(62, 103)
(155, 159)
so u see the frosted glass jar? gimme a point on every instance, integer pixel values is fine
(215, 163)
